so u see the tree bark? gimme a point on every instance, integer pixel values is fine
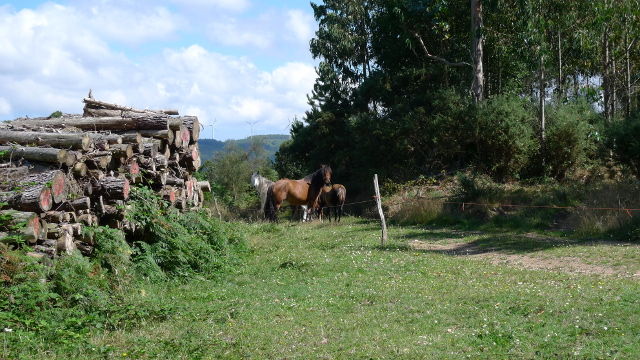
(56, 180)
(57, 140)
(18, 226)
(193, 125)
(83, 203)
(34, 198)
(95, 104)
(477, 30)
(47, 155)
(140, 122)
(113, 188)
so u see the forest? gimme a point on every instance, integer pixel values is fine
(532, 90)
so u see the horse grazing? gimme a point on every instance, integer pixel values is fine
(297, 192)
(332, 198)
(262, 185)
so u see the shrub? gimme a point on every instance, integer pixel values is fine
(172, 243)
(571, 138)
(624, 139)
(504, 136)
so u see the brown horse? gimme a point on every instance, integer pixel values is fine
(332, 198)
(297, 192)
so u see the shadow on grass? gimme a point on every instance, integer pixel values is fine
(486, 243)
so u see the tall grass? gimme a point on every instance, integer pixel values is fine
(546, 205)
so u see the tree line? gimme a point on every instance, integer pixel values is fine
(513, 88)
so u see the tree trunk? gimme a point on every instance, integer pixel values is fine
(56, 180)
(47, 155)
(95, 104)
(560, 87)
(112, 188)
(83, 203)
(605, 76)
(35, 199)
(477, 50)
(139, 122)
(542, 95)
(18, 226)
(193, 125)
(57, 140)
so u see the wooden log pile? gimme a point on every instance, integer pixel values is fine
(60, 174)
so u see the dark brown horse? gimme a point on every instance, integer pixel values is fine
(332, 199)
(297, 192)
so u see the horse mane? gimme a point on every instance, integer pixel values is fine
(316, 176)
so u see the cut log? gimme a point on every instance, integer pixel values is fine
(95, 104)
(34, 198)
(113, 188)
(204, 186)
(55, 217)
(18, 226)
(86, 219)
(96, 174)
(150, 148)
(90, 112)
(110, 139)
(57, 140)
(193, 124)
(134, 137)
(175, 181)
(158, 134)
(122, 150)
(65, 243)
(99, 162)
(80, 169)
(41, 154)
(140, 121)
(83, 203)
(55, 179)
(183, 137)
(168, 193)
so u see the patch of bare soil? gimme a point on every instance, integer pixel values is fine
(564, 264)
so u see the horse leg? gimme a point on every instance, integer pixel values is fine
(304, 213)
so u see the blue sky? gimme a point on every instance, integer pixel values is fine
(230, 62)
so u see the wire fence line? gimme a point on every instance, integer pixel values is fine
(464, 204)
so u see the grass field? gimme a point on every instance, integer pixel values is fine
(320, 291)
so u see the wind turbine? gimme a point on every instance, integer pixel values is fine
(252, 124)
(212, 125)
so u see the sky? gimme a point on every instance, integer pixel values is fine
(242, 66)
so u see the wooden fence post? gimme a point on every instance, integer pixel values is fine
(379, 202)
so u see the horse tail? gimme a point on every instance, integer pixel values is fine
(269, 206)
(342, 197)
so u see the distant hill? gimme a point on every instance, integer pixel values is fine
(209, 147)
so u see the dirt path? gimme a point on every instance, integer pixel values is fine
(566, 264)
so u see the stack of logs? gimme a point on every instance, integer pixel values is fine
(59, 174)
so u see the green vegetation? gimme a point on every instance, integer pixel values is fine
(399, 92)
(229, 174)
(58, 305)
(329, 291)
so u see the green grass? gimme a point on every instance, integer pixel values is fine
(320, 291)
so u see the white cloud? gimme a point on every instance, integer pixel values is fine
(230, 32)
(230, 5)
(5, 107)
(51, 56)
(129, 26)
(301, 25)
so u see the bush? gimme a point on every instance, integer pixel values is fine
(571, 138)
(504, 135)
(172, 243)
(624, 139)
